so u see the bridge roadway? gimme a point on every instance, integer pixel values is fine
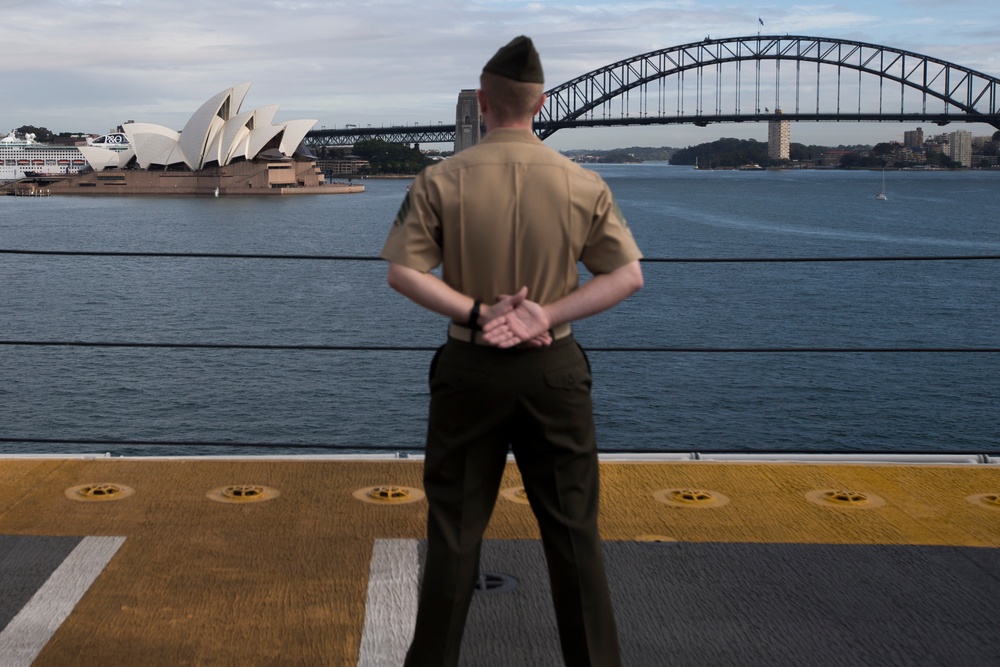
(445, 134)
(264, 561)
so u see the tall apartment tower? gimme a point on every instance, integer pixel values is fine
(914, 139)
(778, 137)
(960, 147)
(468, 120)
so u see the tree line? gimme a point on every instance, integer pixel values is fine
(43, 134)
(733, 153)
(387, 158)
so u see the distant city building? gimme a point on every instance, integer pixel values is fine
(984, 152)
(343, 165)
(778, 138)
(906, 155)
(77, 140)
(934, 147)
(960, 147)
(914, 139)
(832, 158)
(980, 142)
(468, 120)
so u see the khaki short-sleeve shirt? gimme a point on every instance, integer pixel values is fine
(506, 213)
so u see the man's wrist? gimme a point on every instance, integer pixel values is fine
(473, 322)
(549, 319)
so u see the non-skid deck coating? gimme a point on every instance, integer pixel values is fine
(314, 576)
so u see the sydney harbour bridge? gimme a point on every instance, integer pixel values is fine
(745, 79)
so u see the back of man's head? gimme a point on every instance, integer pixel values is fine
(513, 81)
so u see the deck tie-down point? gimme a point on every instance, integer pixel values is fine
(657, 539)
(850, 497)
(243, 493)
(987, 500)
(844, 498)
(99, 492)
(389, 494)
(495, 582)
(691, 498)
(515, 494)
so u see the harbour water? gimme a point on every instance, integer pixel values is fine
(659, 398)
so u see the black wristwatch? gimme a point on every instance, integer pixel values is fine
(474, 315)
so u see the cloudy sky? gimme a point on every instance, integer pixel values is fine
(88, 65)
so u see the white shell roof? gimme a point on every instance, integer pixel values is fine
(295, 132)
(99, 158)
(216, 132)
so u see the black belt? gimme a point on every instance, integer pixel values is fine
(458, 332)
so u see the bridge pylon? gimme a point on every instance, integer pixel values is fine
(468, 120)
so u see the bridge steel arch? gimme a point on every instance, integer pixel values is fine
(634, 91)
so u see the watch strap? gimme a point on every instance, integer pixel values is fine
(473, 322)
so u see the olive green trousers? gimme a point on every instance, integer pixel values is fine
(535, 401)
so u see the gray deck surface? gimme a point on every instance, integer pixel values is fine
(26, 562)
(720, 604)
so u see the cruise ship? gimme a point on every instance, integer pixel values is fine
(21, 157)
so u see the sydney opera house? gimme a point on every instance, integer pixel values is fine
(221, 150)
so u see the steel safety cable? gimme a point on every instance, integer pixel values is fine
(365, 258)
(432, 348)
(418, 348)
(368, 448)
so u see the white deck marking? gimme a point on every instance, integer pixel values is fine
(28, 632)
(391, 607)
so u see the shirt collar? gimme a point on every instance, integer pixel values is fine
(511, 134)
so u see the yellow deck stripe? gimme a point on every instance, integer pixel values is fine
(285, 581)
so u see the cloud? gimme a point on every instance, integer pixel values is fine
(90, 64)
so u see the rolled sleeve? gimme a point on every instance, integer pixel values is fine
(415, 237)
(610, 244)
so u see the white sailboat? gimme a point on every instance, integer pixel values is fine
(881, 196)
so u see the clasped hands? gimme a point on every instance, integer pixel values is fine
(514, 319)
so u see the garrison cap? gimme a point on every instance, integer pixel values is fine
(518, 60)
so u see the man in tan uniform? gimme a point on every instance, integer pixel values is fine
(509, 219)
